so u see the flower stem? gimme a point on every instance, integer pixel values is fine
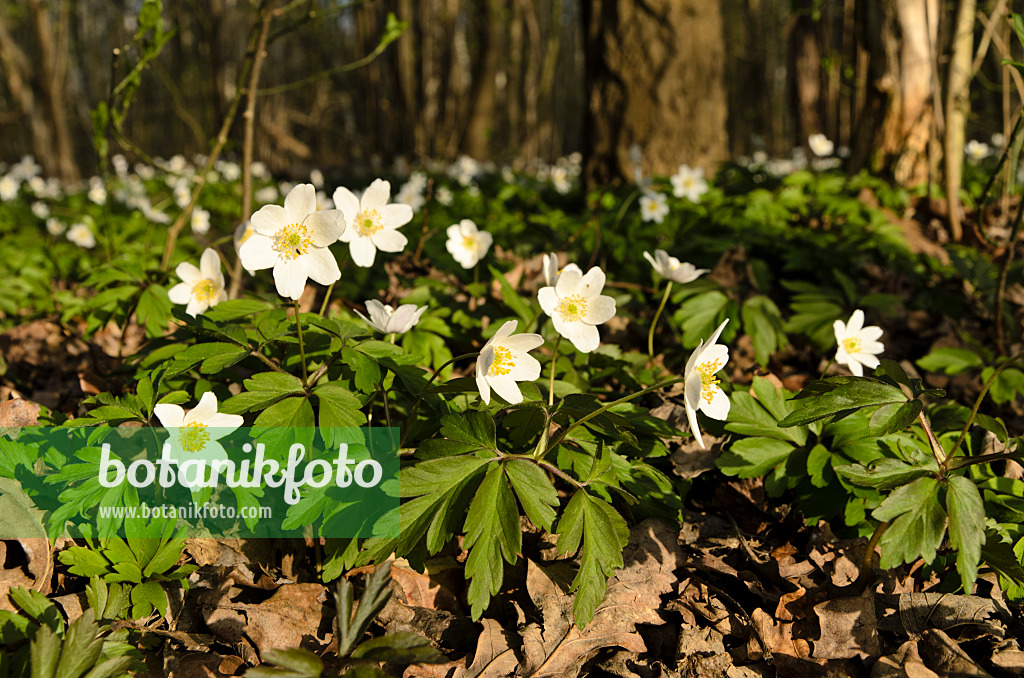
(419, 399)
(302, 346)
(327, 300)
(551, 383)
(657, 316)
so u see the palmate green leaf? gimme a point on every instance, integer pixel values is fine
(292, 412)
(760, 416)
(492, 534)
(403, 647)
(894, 417)
(966, 527)
(883, 474)
(700, 315)
(754, 457)
(762, 321)
(829, 397)
(339, 408)
(950, 360)
(603, 533)
(146, 598)
(472, 427)
(434, 483)
(536, 494)
(233, 309)
(917, 523)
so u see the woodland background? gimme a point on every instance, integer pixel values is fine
(898, 83)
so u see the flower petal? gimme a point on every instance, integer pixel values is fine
(257, 253)
(600, 309)
(506, 387)
(484, 387)
(326, 226)
(389, 241)
(376, 195)
(718, 408)
(856, 322)
(568, 283)
(209, 263)
(180, 293)
(269, 219)
(202, 412)
(170, 416)
(527, 368)
(300, 202)
(691, 415)
(188, 273)
(584, 337)
(548, 299)
(521, 343)
(395, 216)
(363, 251)
(290, 278)
(321, 265)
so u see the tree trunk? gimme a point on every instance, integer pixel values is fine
(655, 77)
(52, 69)
(895, 129)
(958, 104)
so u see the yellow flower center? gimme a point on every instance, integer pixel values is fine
(292, 241)
(708, 381)
(572, 308)
(469, 242)
(852, 345)
(369, 222)
(194, 437)
(503, 362)
(204, 290)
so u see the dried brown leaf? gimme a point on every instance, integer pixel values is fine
(848, 628)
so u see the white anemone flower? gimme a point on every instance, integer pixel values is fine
(653, 207)
(672, 269)
(200, 221)
(200, 288)
(976, 150)
(701, 389)
(858, 345)
(467, 243)
(82, 235)
(689, 183)
(551, 270)
(372, 222)
(389, 320)
(504, 360)
(577, 307)
(293, 241)
(820, 145)
(193, 435)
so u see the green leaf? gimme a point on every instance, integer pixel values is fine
(966, 527)
(536, 494)
(950, 360)
(81, 647)
(474, 427)
(917, 523)
(512, 298)
(434, 483)
(233, 309)
(760, 416)
(893, 417)
(402, 647)
(492, 534)
(301, 662)
(274, 382)
(288, 413)
(146, 597)
(754, 457)
(883, 474)
(828, 397)
(888, 367)
(603, 534)
(762, 321)
(701, 314)
(993, 424)
(338, 406)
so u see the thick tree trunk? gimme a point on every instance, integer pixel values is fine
(958, 104)
(655, 77)
(895, 130)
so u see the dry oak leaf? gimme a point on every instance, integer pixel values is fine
(633, 597)
(848, 628)
(24, 530)
(906, 662)
(289, 618)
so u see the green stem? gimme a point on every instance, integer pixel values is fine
(657, 316)
(986, 458)
(327, 299)
(302, 347)
(981, 396)
(596, 413)
(551, 383)
(547, 466)
(419, 399)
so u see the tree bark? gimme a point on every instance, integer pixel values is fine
(895, 129)
(655, 77)
(958, 104)
(52, 68)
